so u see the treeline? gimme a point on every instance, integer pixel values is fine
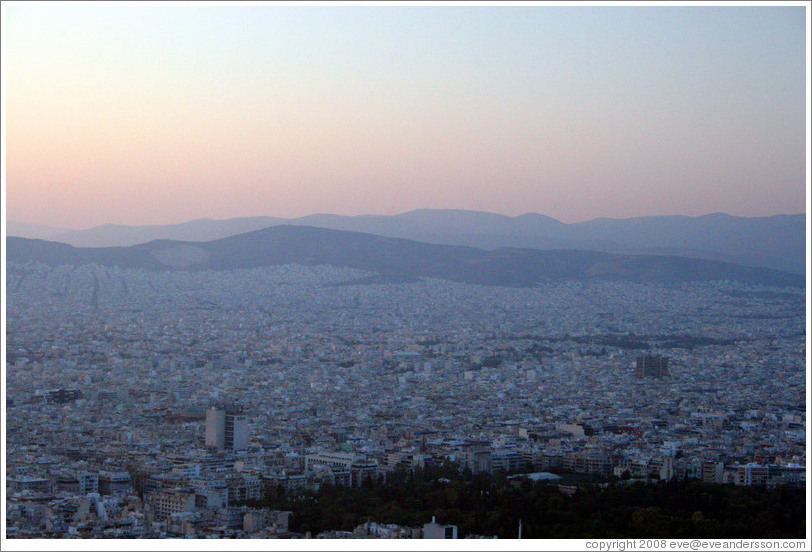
(492, 505)
(625, 341)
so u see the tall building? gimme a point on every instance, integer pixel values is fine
(651, 367)
(88, 482)
(226, 428)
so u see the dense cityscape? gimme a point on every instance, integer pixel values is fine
(158, 404)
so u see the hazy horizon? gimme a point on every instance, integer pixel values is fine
(192, 352)
(156, 114)
(170, 223)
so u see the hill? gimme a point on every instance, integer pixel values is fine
(777, 242)
(395, 259)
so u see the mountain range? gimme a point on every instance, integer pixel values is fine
(394, 259)
(777, 242)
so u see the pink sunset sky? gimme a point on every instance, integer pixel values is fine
(157, 114)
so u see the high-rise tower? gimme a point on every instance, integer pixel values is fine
(651, 366)
(226, 428)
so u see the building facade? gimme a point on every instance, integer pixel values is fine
(226, 428)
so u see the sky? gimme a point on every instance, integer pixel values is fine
(157, 114)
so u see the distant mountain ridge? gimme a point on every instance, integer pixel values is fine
(777, 242)
(34, 231)
(394, 259)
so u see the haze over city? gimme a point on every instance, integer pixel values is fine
(157, 114)
(352, 271)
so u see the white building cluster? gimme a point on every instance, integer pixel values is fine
(159, 404)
